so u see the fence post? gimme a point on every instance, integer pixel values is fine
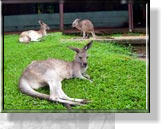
(61, 14)
(130, 15)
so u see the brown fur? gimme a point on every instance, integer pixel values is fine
(85, 26)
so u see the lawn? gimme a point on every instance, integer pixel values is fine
(119, 80)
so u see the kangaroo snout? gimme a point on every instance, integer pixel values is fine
(73, 25)
(84, 64)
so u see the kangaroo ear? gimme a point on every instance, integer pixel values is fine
(40, 22)
(74, 49)
(86, 47)
(76, 20)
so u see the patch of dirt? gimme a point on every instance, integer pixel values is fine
(131, 37)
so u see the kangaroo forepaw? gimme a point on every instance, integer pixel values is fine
(85, 101)
(87, 76)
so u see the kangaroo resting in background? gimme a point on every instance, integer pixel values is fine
(32, 35)
(85, 26)
(51, 72)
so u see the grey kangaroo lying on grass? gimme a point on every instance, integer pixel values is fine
(32, 35)
(85, 26)
(51, 72)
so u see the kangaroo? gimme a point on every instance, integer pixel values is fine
(51, 72)
(85, 26)
(32, 35)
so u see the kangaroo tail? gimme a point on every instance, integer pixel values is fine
(26, 89)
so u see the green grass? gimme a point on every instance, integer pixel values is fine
(119, 80)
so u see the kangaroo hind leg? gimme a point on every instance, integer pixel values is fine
(93, 34)
(56, 94)
(65, 97)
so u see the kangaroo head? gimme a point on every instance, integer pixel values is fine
(43, 25)
(75, 22)
(81, 54)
